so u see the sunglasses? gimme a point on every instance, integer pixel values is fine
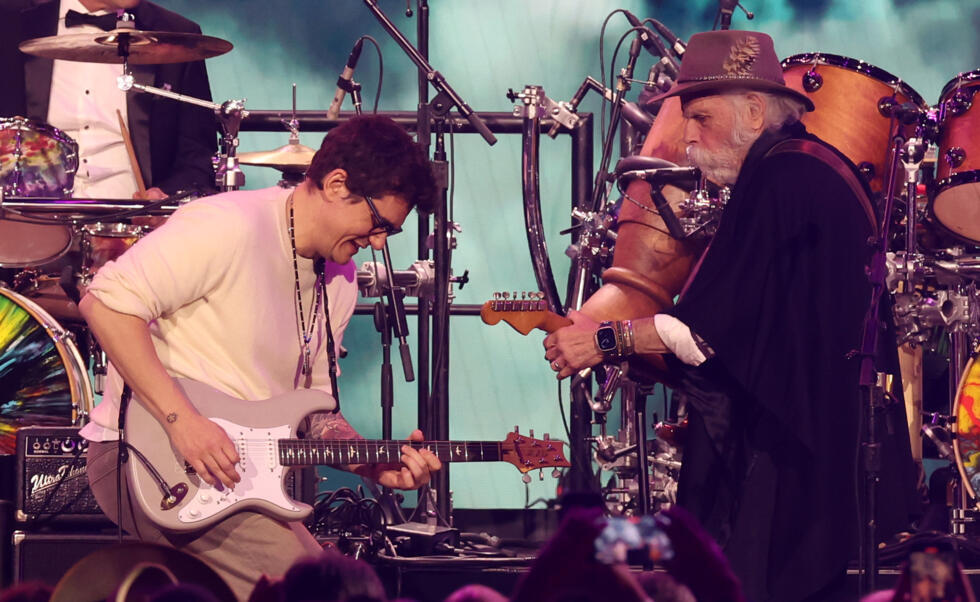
(381, 224)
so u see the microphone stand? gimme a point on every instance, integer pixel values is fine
(622, 86)
(871, 384)
(436, 424)
(389, 501)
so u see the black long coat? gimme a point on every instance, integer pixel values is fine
(770, 466)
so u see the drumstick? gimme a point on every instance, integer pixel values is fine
(132, 153)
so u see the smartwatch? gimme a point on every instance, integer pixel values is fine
(606, 340)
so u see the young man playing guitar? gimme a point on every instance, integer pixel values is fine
(249, 292)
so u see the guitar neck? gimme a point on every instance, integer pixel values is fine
(325, 452)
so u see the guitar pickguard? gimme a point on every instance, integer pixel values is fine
(260, 470)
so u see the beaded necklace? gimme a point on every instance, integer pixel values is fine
(319, 298)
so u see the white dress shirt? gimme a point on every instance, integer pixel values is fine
(83, 103)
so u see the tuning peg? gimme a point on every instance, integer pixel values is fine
(555, 473)
(517, 430)
(531, 433)
(526, 478)
(540, 474)
(547, 437)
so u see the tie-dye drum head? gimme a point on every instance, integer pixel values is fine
(42, 376)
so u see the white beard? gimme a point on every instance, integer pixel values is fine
(721, 167)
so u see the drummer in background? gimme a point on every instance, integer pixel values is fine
(174, 141)
(761, 337)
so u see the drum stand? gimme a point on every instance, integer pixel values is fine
(228, 174)
(637, 491)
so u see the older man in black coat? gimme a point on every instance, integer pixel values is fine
(762, 339)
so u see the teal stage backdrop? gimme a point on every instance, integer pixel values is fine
(498, 378)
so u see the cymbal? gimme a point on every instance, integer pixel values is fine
(292, 157)
(145, 47)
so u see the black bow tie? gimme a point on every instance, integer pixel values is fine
(104, 22)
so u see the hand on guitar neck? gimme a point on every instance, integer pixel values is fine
(524, 315)
(570, 345)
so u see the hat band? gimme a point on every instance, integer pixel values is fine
(705, 78)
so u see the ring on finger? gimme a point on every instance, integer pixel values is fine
(555, 366)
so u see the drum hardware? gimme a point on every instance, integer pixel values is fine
(725, 10)
(596, 236)
(130, 46)
(628, 454)
(228, 174)
(564, 113)
(292, 160)
(417, 281)
(938, 432)
(812, 81)
(532, 111)
(699, 212)
(72, 209)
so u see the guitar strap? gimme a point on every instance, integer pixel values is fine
(815, 149)
(331, 348)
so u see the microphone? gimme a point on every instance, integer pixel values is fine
(661, 176)
(677, 45)
(344, 81)
(658, 173)
(653, 44)
(417, 281)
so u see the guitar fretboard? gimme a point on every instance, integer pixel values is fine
(306, 452)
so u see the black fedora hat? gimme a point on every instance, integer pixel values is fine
(716, 61)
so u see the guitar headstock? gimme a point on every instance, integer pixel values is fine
(527, 453)
(524, 314)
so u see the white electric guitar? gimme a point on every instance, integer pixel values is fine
(177, 499)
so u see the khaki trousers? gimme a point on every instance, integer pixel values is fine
(240, 548)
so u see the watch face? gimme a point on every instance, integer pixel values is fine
(606, 339)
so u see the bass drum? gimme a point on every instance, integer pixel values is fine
(966, 438)
(42, 377)
(849, 97)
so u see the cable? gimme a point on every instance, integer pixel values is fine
(564, 419)
(381, 69)
(602, 69)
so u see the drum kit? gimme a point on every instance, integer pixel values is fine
(919, 154)
(51, 244)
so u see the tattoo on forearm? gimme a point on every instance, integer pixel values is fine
(332, 426)
(172, 417)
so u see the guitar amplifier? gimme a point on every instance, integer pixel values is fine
(51, 481)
